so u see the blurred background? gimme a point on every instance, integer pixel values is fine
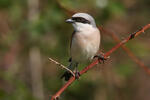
(31, 31)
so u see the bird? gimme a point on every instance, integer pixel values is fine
(85, 42)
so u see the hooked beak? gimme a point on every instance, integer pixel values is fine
(69, 21)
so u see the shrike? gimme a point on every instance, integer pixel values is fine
(85, 41)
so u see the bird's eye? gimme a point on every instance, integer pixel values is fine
(81, 20)
(78, 20)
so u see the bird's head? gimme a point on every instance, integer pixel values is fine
(81, 21)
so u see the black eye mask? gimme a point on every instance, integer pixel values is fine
(81, 20)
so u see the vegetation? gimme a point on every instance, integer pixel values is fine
(31, 31)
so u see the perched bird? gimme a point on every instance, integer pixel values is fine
(85, 41)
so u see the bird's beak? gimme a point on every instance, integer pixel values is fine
(69, 21)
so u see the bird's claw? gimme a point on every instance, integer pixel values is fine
(101, 58)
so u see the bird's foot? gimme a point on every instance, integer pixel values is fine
(101, 58)
(77, 74)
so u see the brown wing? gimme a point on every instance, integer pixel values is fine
(70, 59)
(71, 38)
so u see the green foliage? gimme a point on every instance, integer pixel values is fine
(124, 69)
(50, 35)
(5, 3)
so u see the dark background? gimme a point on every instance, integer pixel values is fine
(31, 31)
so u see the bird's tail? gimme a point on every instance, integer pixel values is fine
(67, 75)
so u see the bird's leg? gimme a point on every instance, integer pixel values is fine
(77, 73)
(100, 58)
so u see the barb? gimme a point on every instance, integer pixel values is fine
(72, 79)
(130, 54)
(62, 66)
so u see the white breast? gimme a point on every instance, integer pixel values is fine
(85, 44)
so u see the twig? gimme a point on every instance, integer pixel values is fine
(62, 66)
(72, 79)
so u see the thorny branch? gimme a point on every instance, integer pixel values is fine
(127, 50)
(72, 79)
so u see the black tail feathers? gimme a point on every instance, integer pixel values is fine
(67, 75)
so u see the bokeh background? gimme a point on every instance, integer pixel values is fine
(31, 31)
